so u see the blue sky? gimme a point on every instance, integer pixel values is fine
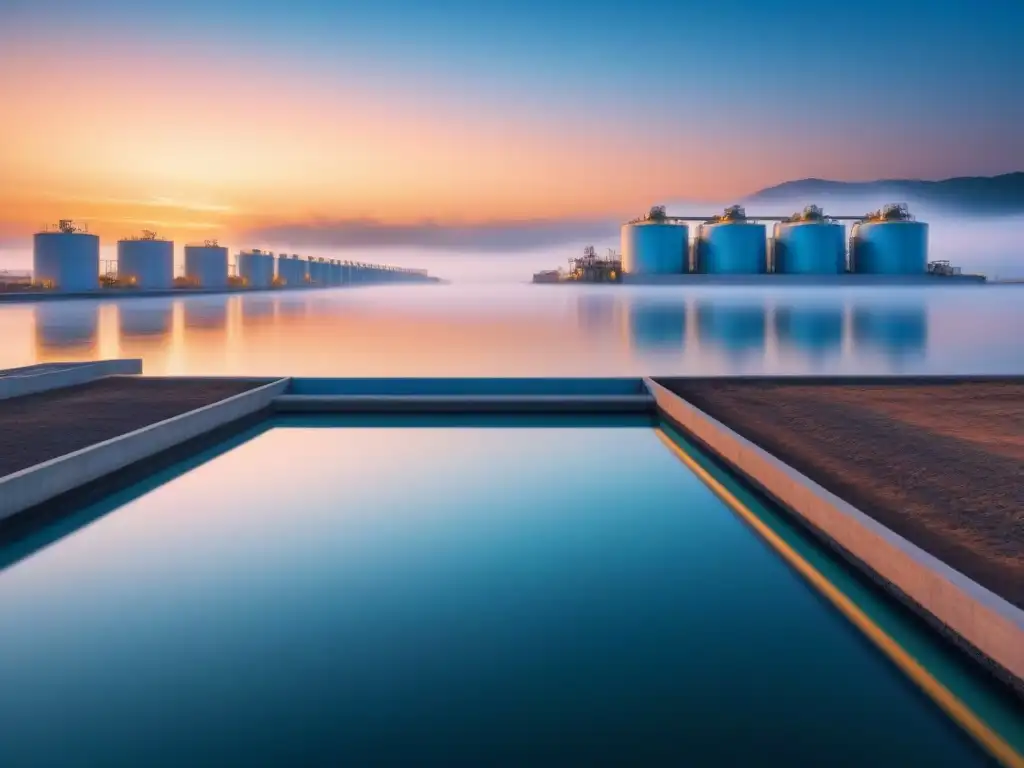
(289, 112)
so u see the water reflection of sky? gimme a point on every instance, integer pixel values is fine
(535, 330)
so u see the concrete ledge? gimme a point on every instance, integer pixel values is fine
(985, 624)
(464, 403)
(470, 387)
(17, 382)
(38, 484)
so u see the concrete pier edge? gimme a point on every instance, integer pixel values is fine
(36, 485)
(983, 624)
(30, 380)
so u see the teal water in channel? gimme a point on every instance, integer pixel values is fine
(398, 593)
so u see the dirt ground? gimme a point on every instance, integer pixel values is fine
(39, 427)
(940, 464)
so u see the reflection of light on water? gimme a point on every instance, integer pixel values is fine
(534, 331)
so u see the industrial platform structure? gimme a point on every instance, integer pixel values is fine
(884, 245)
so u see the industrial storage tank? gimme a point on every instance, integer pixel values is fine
(729, 244)
(291, 269)
(146, 261)
(256, 268)
(207, 265)
(809, 243)
(66, 258)
(655, 245)
(335, 272)
(889, 242)
(318, 274)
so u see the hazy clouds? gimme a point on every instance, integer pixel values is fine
(484, 237)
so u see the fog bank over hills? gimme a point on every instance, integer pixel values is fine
(968, 195)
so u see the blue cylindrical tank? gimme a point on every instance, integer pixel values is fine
(889, 248)
(256, 268)
(810, 248)
(66, 260)
(335, 272)
(318, 271)
(207, 265)
(285, 269)
(292, 270)
(731, 248)
(653, 248)
(146, 263)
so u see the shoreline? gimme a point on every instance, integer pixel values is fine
(17, 297)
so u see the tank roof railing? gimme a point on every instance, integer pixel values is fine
(890, 212)
(66, 227)
(724, 217)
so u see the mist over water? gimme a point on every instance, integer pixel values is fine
(512, 252)
(480, 329)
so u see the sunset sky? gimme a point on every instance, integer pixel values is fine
(210, 119)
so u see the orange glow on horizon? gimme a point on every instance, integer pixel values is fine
(139, 139)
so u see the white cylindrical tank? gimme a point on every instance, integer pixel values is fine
(66, 260)
(731, 248)
(810, 248)
(256, 268)
(889, 248)
(207, 265)
(655, 248)
(146, 262)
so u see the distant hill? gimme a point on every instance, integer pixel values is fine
(968, 194)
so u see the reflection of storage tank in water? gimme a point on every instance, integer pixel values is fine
(146, 262)
(657, 325)
(257, 307)
(729, 244)
(812, 329)
(893, 330)
(889, 242)
(66, 259)
(66, 326)
(732, 327)
(654, 246)
(142, 319)
(207, 264)
(809, 244)
(205, 313)
(256, 268)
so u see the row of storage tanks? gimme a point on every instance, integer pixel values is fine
(68, 259)
(886, 242)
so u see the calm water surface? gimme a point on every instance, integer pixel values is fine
(442, 596)
(510, 330)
